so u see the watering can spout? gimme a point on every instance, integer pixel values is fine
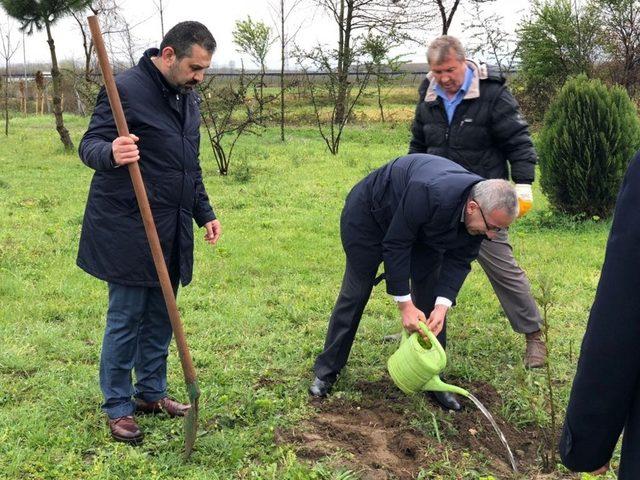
(437, 385)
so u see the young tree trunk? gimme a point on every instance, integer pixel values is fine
(380, 99)
(344, 60)
(23, 97)
(57, 84)
(6, 97)
(263, 72)
(282, 47)
(447, 18)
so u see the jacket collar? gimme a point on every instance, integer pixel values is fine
(479, 73)
(147, 65)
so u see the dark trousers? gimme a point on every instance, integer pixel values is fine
(137, 337)
(345, 318)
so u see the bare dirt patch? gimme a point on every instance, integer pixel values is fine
(375, 436)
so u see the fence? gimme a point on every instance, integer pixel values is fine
(78, 94)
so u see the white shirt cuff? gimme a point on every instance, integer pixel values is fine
(444, 301)
(402, 298)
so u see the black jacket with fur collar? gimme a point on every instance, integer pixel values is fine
(486, 132)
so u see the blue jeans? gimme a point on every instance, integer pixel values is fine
(137, 337)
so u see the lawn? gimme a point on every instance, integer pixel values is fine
(255, 317)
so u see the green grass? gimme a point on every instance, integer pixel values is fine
(255, 314)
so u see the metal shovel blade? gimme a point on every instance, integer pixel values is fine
(191, 419)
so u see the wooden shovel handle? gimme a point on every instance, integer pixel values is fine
(143, 204)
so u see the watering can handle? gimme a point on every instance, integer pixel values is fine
(422, 326)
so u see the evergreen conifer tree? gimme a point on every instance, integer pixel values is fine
(589, 134)
(41, 14)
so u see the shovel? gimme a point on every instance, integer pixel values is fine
(191, 418)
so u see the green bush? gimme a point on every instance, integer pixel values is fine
(589, 134)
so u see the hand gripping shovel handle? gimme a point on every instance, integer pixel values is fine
(191, 419)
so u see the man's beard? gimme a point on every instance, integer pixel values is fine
(187, 87)
(181, 87)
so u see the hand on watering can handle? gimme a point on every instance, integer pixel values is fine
(411, 316)
(436, 318)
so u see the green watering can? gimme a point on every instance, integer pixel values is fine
(415, 366)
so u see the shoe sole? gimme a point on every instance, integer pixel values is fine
(531, 367)
(135, 441)
(158, 412)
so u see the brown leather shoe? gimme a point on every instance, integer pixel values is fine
(536, 354)
(166, 404)
(125, 429)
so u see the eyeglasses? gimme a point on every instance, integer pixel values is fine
(492, 228)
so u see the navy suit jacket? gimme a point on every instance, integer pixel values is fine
(415, 201)
(605, 397)
(113, 243)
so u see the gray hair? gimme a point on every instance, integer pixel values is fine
(496, 194)
(442, 47)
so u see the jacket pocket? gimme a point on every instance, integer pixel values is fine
(382, 216)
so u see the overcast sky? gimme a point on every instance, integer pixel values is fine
(220, 17)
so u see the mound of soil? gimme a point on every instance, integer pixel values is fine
(374, 436)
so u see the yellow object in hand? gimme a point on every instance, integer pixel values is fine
(525, 198)
(524, 205)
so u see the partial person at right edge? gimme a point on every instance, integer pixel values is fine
(605, 397)
(466, 113)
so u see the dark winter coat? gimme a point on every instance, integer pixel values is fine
(605, 397)
(113, 244)
(408, 211)
(486, 131)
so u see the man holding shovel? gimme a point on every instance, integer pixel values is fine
(425, 217)
(162, 110)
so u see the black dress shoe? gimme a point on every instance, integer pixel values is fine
(447, 400)
(320, 388)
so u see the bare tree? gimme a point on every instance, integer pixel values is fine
(7, 51)
(228, 111)
(123, 45)
(130, 44)
(447, 11)
(489, 40)
(381, 64)
(283, 11)
(355, 17)
(86, 87)
(108, 10)
(325, 94)
(621, 39)
(439, 11)
(254, 39)
(160, 7)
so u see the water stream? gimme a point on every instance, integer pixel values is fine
(487, 414)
